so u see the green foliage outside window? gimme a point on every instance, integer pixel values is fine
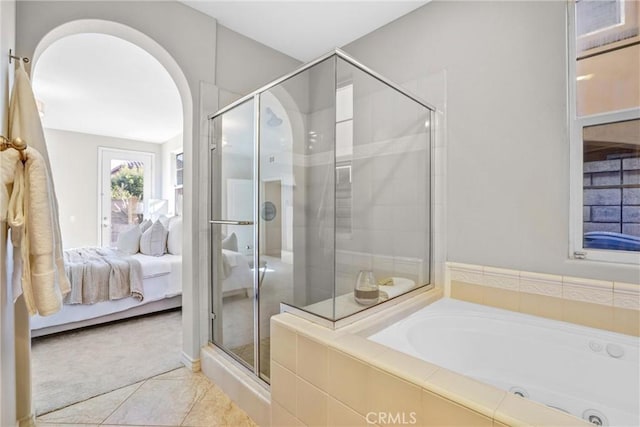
(126, 183)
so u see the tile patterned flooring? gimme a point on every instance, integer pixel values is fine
(176, 398)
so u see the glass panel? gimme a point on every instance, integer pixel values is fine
(611, 202)
(232, 196)
(297, 177)
(383, 182)
(127, 191)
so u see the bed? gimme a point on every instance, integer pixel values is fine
(162, 284)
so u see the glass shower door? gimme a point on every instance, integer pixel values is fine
(232, 222)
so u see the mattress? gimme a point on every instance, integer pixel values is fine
(162, 278)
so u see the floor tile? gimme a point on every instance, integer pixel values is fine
(216, 409)
(91, 411)
(160, 402)
(178, 373)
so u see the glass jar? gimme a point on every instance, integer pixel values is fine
(366, 290)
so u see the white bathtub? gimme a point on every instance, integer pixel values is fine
(583, 371)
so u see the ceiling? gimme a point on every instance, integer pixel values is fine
(304, 29)
(103, 85)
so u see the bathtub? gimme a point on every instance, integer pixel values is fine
(589, 373)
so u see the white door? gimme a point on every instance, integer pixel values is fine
(125, 182)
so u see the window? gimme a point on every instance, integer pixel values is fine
(179, 165)
(605, 135)
(344, 155)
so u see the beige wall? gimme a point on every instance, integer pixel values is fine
(74, 165)
(506, 100)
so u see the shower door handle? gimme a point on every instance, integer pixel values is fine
(229, 222)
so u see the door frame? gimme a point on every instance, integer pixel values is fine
(104, 154)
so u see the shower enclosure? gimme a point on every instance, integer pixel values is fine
(317, 176)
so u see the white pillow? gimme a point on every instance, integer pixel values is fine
(230, 243)
(164, 220)
(174, 241)
(144, 226)
(154, 240)
(129, 240)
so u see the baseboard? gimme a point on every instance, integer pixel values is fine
(192, 364)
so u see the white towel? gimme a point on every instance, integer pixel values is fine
(400, 286)
(40, 265)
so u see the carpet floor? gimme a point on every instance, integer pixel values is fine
(74, 366)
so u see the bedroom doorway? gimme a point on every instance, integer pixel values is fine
(128, 114)
(125, 191)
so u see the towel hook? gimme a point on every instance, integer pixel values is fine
(17, 58)
(16, 144)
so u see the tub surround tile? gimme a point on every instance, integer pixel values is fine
(440, 412)
(515, 410)
(541, 305)
(392, 395)
(340, 415)
(541, 284)
(283, 346)
(348, 380)
(501, 298)
(626, 321)
(311, 404)
(283, 387)
(280, 417)
(466, 273)
(502, 278)
(479, 397)
(312, 362)
(359, 347)
(467, 292)
(626, 295)
(587, 290)
(588, 314)
(406, 367)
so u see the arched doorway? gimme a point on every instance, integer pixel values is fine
(141, 41)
